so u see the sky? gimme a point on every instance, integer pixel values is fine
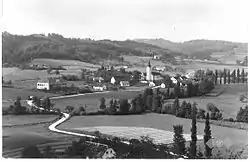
(174, 20)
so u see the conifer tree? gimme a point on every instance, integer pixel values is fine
(207, 137)
(193, 132)
(229, 78)
(225, 76)
(238, 75)
(179, 140)
(242, 75)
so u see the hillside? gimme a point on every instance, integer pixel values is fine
(19, 49)
(200, 48)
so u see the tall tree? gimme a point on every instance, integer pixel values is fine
(242, 76)
(238, 75)
(124, 106)
(220, 77)
(229, 78)
(207, 138)
(225, 76)
(179, 140)
(193, 132)
(216, 76)
(176, 106)
(102, 103)
(234, 77)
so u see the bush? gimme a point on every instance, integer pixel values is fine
(201, 114)
(211, 107)
(124, 106)
(242, 115)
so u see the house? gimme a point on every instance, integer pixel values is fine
(48, 83)
(156, 57)
(99, 87)
(98, 79)
(121, 79)
(45, 84)
(108, 153)
(124, 83)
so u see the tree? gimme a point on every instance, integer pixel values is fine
(48, 152)
(46, 103)
(179, 141)
(57, 72)
(242, 115)
(156, 103)
(188, 111)
(207, 137)
(49, 69)
(176, 90)
(216, 76)
(238, 75)
(176, 106)
(124, 106)
(189, 89)
(228, 75)
(220, 77)
(193, 132)
(225, 76)
(242, 76)
(18, 108)
(234, 77)
(147, 92)
(149, 102)
(102, 103)
(31, 152)
(139, 104)
(201, 114)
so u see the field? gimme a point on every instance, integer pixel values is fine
(228, 102)
(92, 101)
(10, 120)
(13, 93)
(157, 121)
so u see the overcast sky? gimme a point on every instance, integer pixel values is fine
(175, 20)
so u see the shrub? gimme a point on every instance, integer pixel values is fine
(242, 115)
(179, 141)
(124, 106)
(102, 103)
(201, 114)
(211, 107)
(69, 109)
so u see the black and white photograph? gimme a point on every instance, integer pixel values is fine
(124, 79)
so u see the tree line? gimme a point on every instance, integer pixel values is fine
(230, 77)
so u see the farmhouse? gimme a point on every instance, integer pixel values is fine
(99, 87)
(121, 79)
(47, 84)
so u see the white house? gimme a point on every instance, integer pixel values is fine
(174, 80)
(124, 83)
(44, 84)
(156, 57)
(99, 88)
(109, 154)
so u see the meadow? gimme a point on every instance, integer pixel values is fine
(92, 101)
(159, 121)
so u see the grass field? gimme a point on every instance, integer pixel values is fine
(228, 102)
(13, 93)
(92, 100)
(15, 137)
(158, 121)
(9, 120)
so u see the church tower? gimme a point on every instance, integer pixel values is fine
(148, 72)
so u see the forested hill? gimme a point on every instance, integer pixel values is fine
(20, 49)
(200, 48)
